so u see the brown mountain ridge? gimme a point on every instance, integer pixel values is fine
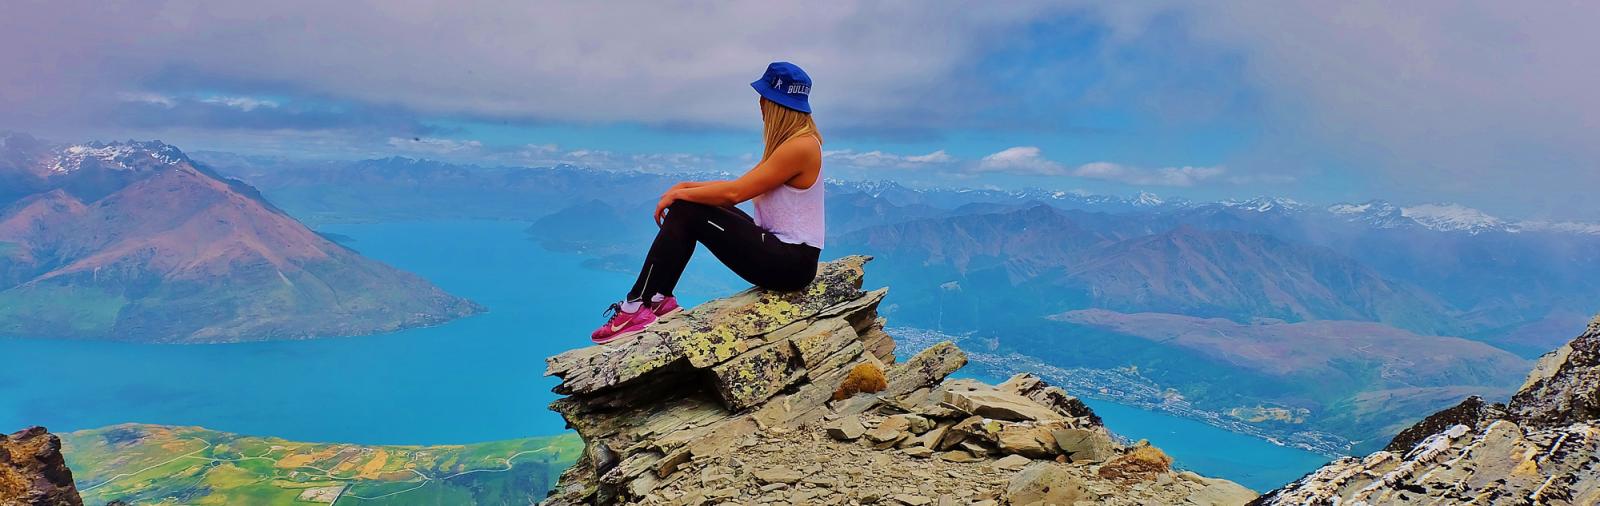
(133, 241)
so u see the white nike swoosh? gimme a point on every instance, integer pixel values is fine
(615, 328)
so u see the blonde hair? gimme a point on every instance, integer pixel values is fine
(782, 124)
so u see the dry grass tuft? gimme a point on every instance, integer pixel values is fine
(1142, 463)
(866, 377)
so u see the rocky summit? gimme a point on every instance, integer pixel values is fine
(1543, 447)
(798, 398)
(33, 472)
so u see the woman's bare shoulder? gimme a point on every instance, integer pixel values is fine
(802, 148)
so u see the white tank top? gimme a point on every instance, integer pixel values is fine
(795, 216)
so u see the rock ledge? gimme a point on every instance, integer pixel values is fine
(33, 472)
(739, 401)
(1541, 448)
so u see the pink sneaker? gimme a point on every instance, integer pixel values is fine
(622, 324)
(665, 306)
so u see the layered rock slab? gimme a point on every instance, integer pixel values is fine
(1543, 447)
(697, 381)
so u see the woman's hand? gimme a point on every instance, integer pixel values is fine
(666, 200)
(671, 195)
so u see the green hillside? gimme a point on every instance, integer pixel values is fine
(153, 464)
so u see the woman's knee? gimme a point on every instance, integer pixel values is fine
(683, 209)
(687, 206)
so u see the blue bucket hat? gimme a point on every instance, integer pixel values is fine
(785, 84)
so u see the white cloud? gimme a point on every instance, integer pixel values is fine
(1263, 178)
(1489, 101)
(246, 104)
(594, 154)
(533, 153)
(147, 98)
(435, 145)
(660, 162)
(1020, 160)
(1029, 160)
(1486, 101)
(935, 157)
(169, 101)
(879, 159)
(1164, 176)
(540, 155)
(651, 62)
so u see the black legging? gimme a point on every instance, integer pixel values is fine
(750, 251)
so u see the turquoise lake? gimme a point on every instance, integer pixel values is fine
(476, 379)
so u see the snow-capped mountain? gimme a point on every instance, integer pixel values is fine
(1566, 227)
(1375, 213)
(1147, 199)
(1266, 204)
(1450, 218)
(132, 156)
(1441, 217)
(1365, 208)
(1453, 217)
(1086, 200)
(1073, 199)
(874, 188)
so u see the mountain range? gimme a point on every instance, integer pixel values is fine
(1487, 284)
(135, 241)
(1000, 271)
(1051, 260)
(1361, 380)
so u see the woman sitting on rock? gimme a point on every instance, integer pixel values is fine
(777, 249)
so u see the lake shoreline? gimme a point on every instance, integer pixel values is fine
(472, 380)
(1092, 383)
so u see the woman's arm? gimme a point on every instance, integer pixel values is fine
(790, 160)
(694, 184)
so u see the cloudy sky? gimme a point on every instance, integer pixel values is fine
(1489, 104)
